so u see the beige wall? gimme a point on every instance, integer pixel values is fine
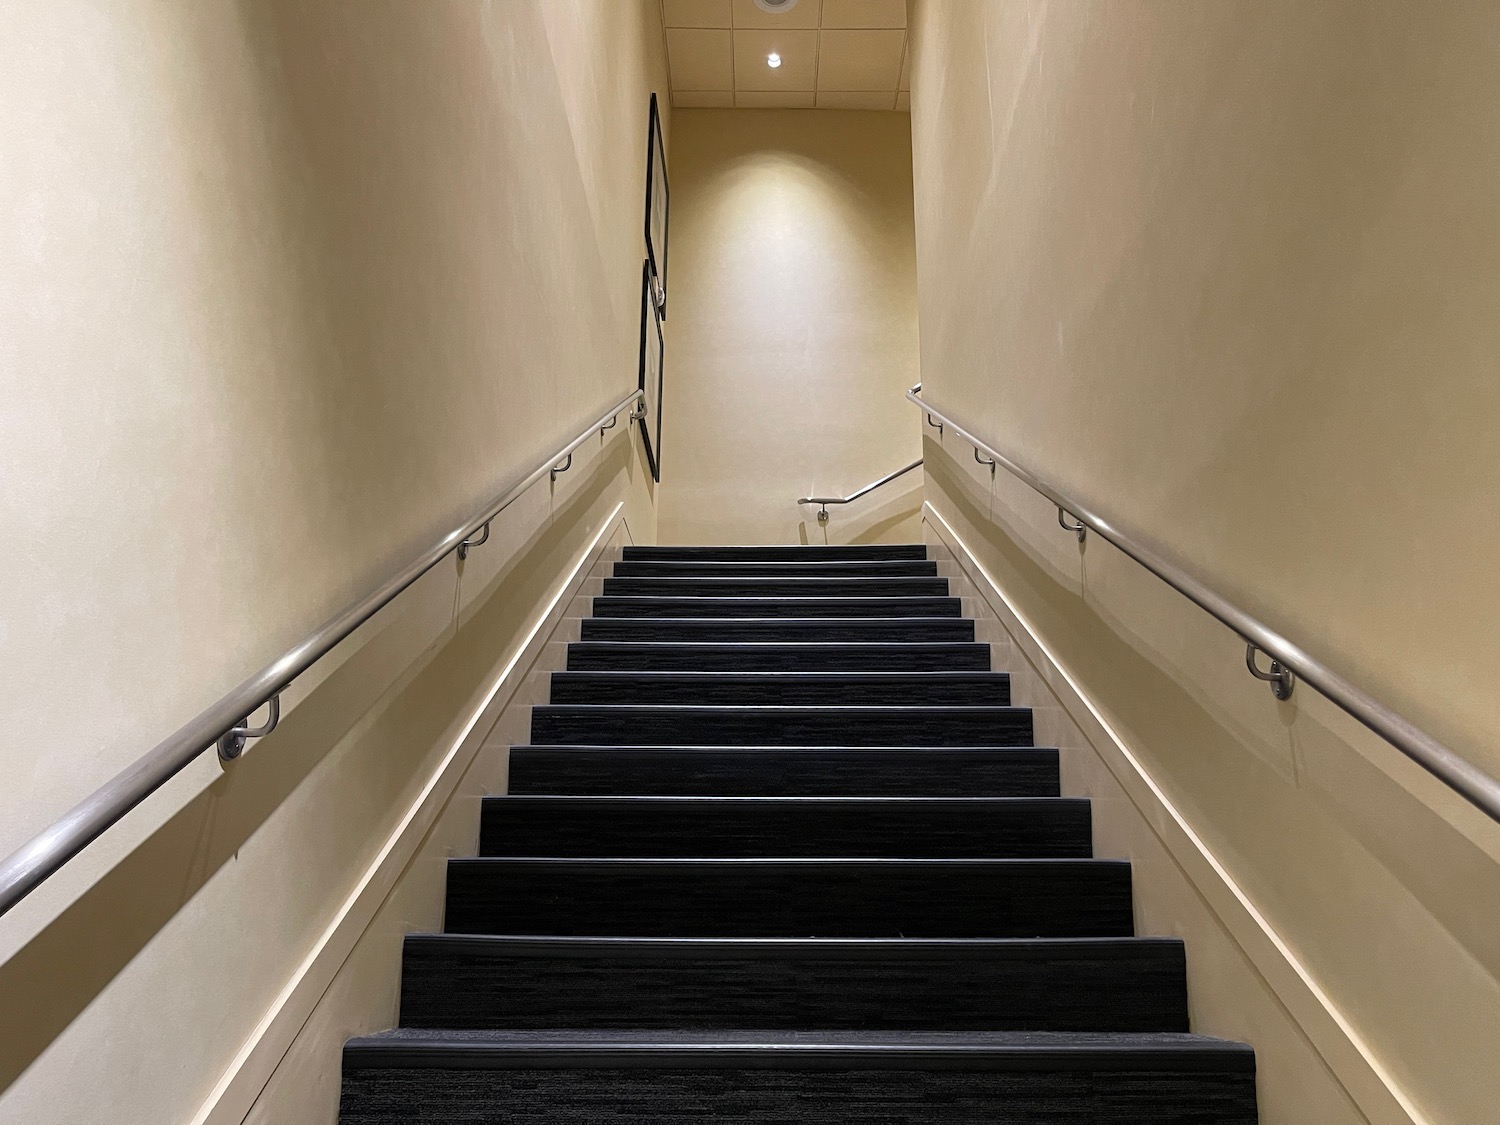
(289, 289)
(1227, 272)
(792, 326)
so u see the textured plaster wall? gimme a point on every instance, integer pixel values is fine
(1228, 272)
(286, 291)
(792, 326)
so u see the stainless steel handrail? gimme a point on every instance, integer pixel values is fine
(871, 487)
(24, 870)
(1288, 660)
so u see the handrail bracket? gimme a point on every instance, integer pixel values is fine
(232, 742)
(1076, 527)
(1281, 678)
(470, 542)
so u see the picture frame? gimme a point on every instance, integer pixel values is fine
(658, 207)
(652, 360)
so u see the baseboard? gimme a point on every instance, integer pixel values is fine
(1347, 1057)
(235, 1093)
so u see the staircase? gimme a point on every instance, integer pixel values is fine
(781, 850)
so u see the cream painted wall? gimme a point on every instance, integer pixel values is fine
(792, 326)
(1227, 272)
(288, 290)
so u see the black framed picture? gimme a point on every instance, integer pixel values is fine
(658, 205)
(651, 369)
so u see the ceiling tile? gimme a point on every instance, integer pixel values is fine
(906, 67)
(805, 14)
(799, 60)
(702, 99)
(857, 99)
(700, 60)
(695, 13)
(864, 13)
(903, 101)
(860, 60)
(774, 99)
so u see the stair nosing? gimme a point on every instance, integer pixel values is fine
(1049, 802)
(1046, 1051)
(879, 675)
(541, 946)
(735, 747)
(936, 863)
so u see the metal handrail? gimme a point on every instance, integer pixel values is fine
(226, 723)
(871, 487)
(1289, 661)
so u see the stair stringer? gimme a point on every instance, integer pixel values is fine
(348, 968)
(1245, 982)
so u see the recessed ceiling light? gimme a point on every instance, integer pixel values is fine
(773, 60)
(776, 7)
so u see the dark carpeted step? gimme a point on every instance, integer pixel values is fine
(963, 689)
(783, 607)
(730, 630)
(665, 725)
(778, 553)
(790, 897)
(974, 984)
(956, 827)
(762, 656)
(919, 587)
(852, 1077)
(786, 771)
(855, 568)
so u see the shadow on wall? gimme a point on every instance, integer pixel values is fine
(386, 725)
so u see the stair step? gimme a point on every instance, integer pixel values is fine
(763, 656)
(970, 689)
(754, 771)
(860, 568)
(664, 725)
(775, 587)
(790, 897)
(729, 630)
(852, 1077)
(974, 984)
(634, 606)
(715, 827)
(884, 551)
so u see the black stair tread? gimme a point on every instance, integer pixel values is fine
(779, 948)
(778, 656)
(787, 770)
(988, 984)
(824, 897)
(774, 553)
(767, 587)
(781, 606)
(724, 630)
(719, 827)
(861, 1050)
(781, 688)
(658, 724)
(811, 568)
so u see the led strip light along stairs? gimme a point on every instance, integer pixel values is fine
(781, 849)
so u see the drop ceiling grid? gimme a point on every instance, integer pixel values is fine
(705, 38)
